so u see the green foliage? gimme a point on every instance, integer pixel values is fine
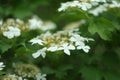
(6, 46)
(91, 73)
(103, 27)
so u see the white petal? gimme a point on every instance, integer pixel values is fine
(17, 34)
(71, 47)
(36, 40)
(72, 39)
(1, 69)
(67, 51)
(79, 47)
(86, 49)
(8, 35)
(37, 54)
(53, 48)
(79, 43)
(60, 48)
(65, 44)
(43, 54)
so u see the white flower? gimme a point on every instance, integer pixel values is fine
(53, 48)
(36, 40)
(35, 23)
(77, 39)
(84, 48)
(80, 42)
(40, 76)
(85, 6)
(40, 52)
(13, 32)
(114, 4)
(66, 5)
(66, 47)
(1, 65)
(98, 10)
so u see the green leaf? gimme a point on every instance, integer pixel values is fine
(48, 70)
(91, 73)
(62, 71)
(99, 51)
(61, 74)
(4, 46)
(65, 67)
(101, 26)
(111, 60)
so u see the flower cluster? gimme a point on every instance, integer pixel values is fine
(104, 7)
(14, 28)
(39, 76)
(12, 77)
(62, 40)
(82, 5)
(25, 72)
(87, 5)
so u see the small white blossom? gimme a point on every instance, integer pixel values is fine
(85, 6)
(84, 48)
(66, 47)
(77, 39)
(40, 76)
(35, 23)
(98, 10)
(114, 4)
(104, 7)
(1, 65)
(40, 52)
(66, 5)
(12, 32)
(53, 48)
(36, 40)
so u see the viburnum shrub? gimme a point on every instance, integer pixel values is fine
(72, 40)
